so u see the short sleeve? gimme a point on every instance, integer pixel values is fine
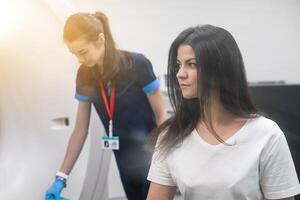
(159, 170)
(145, 75)
(278, 176)
(85, 84)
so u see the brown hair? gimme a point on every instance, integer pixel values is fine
(90, 26)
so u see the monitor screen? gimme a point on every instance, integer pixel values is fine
(281, 103)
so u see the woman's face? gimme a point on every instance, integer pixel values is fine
(187, 71)
(87, 53)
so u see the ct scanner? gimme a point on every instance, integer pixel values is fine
(37, 109)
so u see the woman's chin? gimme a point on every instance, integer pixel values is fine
(89, 65)
(188, 96)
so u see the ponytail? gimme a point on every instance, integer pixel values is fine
(111, 57)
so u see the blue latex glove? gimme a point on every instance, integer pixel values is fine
(54, 191)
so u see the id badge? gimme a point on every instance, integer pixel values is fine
(110, 142)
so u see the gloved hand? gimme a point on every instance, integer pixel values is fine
(54, 191)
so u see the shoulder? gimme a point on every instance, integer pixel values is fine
(139, 59)
(86, 81)
(142, 72)
(265, 124)
(135, 61)
(138, 56)
(86, 76)
(135, 56)
(85, 72)
(263, 128)
(81, 70)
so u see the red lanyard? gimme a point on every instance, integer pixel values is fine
(109, 108)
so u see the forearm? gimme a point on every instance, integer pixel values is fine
(157, 103)
(161, 118)
(75, 145)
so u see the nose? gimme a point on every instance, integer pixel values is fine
(81, 59)
(181, 74)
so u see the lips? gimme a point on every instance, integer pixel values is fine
(184, 85)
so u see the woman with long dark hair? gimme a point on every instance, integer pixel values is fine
(125, 92)
(217, 145)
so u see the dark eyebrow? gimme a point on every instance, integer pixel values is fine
(188, 60)
(82, 50)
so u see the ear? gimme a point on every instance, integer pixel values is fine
(101, 38)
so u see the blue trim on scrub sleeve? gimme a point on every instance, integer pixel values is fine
(151, 86)
(82, 98)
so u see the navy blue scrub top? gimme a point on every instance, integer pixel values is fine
(133, 117)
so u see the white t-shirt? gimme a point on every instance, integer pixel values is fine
(258, 164)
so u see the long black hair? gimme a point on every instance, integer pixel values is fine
(220, 68)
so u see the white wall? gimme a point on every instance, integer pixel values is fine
(267, 31)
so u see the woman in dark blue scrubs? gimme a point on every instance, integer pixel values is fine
(125, 92)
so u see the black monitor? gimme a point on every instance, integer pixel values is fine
(281, 103)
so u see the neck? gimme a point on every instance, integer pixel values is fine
(218, 114)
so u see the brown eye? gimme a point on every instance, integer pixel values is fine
(192, 65)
